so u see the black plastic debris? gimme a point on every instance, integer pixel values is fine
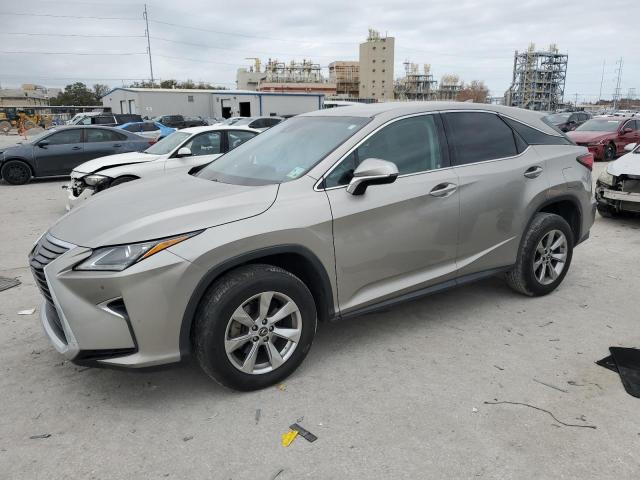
(7, 283)
(626, 362)
(306, 434)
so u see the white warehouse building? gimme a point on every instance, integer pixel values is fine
(154, 102)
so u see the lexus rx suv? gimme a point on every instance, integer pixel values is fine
(326, 216)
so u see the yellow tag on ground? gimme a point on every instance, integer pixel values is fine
(289, 437)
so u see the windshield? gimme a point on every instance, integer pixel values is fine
(599, 125)
(284, 152)
(558, 117)
(168, 143)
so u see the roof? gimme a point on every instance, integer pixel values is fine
(390, 110)
(197, 90)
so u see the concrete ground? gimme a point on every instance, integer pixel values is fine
(399, 394)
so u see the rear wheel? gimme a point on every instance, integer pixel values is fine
(16, 172)
(544, 256)
(254, 327)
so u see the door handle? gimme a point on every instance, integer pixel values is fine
(443, 190)
(533, 172)
(76, 148)
(116, 145)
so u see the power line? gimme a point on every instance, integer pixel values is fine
(49, 15)
(20, 52)
(199, 60)
(70, 35)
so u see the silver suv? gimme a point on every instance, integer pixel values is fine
(328, 215)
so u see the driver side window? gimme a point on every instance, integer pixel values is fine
(204, 144)
(412, 144)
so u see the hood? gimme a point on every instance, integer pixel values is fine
(160, 207)
(589, 137)
(97, 164)
(628, 164)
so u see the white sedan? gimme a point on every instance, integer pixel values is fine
(179, 152)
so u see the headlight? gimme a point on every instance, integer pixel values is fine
(95, 180)
(118, 258)
(606, 178)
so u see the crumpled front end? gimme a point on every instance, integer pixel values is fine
(620, 193)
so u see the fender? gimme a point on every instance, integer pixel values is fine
(324, 303)
(551, 201)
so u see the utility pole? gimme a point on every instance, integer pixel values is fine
(616, 94)
(576, 102)
(601, 81)
(146, 21)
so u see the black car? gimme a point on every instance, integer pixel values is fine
(59, 150)
(568, 121)
(107, 119)
(195, 122)
(173, 121)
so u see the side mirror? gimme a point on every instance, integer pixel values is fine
(184, 152)
(630, 147)
(627, 130)
(372, 171)
(43, 143)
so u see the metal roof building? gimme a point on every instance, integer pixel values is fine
(153, 102)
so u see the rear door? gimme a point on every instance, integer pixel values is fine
(100, 142)
(499, 176)
(63, 152)
(400, 237)
(204, 147)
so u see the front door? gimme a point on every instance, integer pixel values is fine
(205, 147)
(625, 139)
(400, 237)
(61, 152)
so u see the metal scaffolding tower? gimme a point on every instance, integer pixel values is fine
(538, 79)
(415, 85)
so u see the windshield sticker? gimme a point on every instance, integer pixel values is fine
(296, 172)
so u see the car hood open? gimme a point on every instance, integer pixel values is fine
(628, 164)
(102, 163)
(589, 137)
(160, 207)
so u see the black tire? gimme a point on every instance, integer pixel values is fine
(606, 211)
(16, 172)
(121, 180)
(609, 152)
(522, 278)
(215, 311)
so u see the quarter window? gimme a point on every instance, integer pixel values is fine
(205, 144)
(66, 137)
(238, 137)
(413, 144)
(478, 136)
(102, 135)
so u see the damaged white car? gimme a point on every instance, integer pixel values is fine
(179, 152)
(618, 187)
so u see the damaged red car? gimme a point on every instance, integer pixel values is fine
(606, 137)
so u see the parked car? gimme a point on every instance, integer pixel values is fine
(261, 123)
(106, 119)
(181, 151)
(569, 120)
(59, 150)
(328, 215)
(173, 121)
(194, 122)
(606, 137)
(618, 187)
(153, 130)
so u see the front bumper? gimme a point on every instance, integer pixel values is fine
(617, 199)
(74, 200)
(129, 319)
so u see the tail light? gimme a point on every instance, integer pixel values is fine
(586, 160)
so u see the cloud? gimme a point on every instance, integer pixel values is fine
(474, 39)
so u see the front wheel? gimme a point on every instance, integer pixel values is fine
(544, 256)
(16, 172)
(609, 152)
(254, 327)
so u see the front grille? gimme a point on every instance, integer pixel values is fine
(47, 250)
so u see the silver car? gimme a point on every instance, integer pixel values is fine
(326, 216)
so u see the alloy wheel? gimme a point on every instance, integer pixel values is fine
(550, 257)
(263, 333)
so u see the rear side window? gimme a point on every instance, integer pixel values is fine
(413, 144)
(238, 137)
(101, 135)
(132, 128)
(477, 137)
(148, 127)
(536, 137)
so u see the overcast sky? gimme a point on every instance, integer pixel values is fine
(471, 38)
